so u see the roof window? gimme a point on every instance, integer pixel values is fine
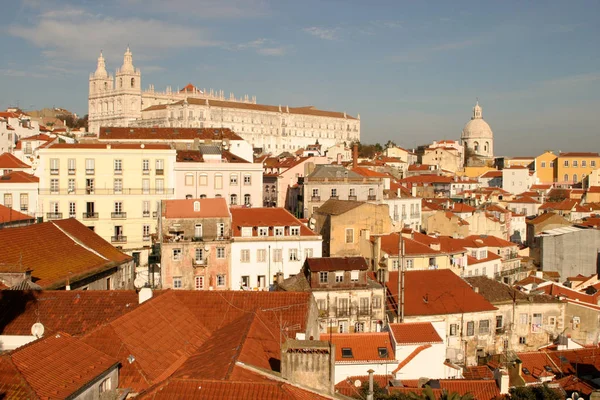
(383, 352)
(347, 352)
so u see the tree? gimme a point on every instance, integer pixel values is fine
(390, 143)
(538, 392)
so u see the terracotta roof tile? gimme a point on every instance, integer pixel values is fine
(436, 292)
(18, 177)
(369, 173)
(365, 346)
(12, 384)
(477, 372)
(59, 365)
(110, 146)
(337, 264)
(9, 161)
(265, 217)
(169, 134)
(10, 215)
(348, 388)
(410, 333)
(579, 154)
(35, 247)
(480, 389)
(209, 208)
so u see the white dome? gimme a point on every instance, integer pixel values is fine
(477, 128)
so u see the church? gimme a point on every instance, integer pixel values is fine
(120, 101)
(478, 140)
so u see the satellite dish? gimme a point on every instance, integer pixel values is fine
(459, 356)
(357, 383)
(206, 248)
(37, 329)
(139, 282)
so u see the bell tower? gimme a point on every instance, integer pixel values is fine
(128, 91)
(100, 90)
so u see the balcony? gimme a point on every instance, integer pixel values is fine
(54, 171)
(146, 238)
(364, 311)
(55, 215)
(197, 238)
(90, 215)
(203, 262)
(145, 214)
(352, 197)
(118, 239)
(342, 312)
(415, 216)
(315, 198)
(371, 197)
(89, 190)
(336, 197)
(145, 172)
(160, 172)
(118, 215)
(90, 171)
(71, 171)
(118, 172)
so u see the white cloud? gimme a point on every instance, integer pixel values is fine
(272, 51)
(75, 34)
(262, 46)
(13, 73)
(205, 9)
(423, 54)
(322, 33)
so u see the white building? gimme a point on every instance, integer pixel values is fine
(268, 241)
(115, 189)
(19, 191)
(518, 179)
(120, 101)
(211, 172)
(477, 136)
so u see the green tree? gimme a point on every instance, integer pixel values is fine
(538, 392)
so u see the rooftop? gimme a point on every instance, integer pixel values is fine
(168, 134)
(337, 264)
(9, 161)
(208, 208)
(364, 347)
(410, 333)
(265, 217)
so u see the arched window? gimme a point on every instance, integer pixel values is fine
(233, 199)
(188, 196)
(132, 82)
(196, 206)
(575, 178)
(121, 82)
(247, 200)
(105, 85)
(202, 196)
(476, 146)
(566, 178)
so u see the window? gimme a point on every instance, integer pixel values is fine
(543, 164)
(245, 281)
(118, 185)
(24, 202)
(574, 163)
(176, 254)
(233, 179)
(146, 232)
(54, 185)
(189, 179)
(484, 326)
(593, 163)
(221, 280)
(54, 166)
(347, 352)
(576, 322)
(198, 282)
(218, 181)
(293, 254)
(522, 340)
(261, 255)
(247, 202)
(343, 328)
(261, 281)
(118, 207)
(198, 230)
(360, 327)
(278, 230)
(233, 199)
(247, 179)
(145, 208)
(159, 186)
(498, 322)
(145, 186)
(71, 185)
(453, 329)
(308, 253)
(8, 200)
(294, 231)
(523, 319)
(177, 283)
(353, 192)
(566, 163)
(199, 255)
(71, 166)
(376, 302)
(575, 178)
(220, 229)
(90, 166)
(323, 278)
(566, 177)
(409, 263)
(339, 277)
(349, 235)
(104, 386)
(245, 256)
(72, 211)
(160, 167)
(220, 252)
(354, 276)
(145, 167)
(246, 231)
(394, 264)
(334, 193)
(203, 180)
(263, 231)
(536, 323)
(364, 305)
(315, 193)
(277, 255)
(583, 163)
(118, 164)
(470, 328)
(551, 164)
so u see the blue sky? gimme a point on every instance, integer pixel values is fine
(412, 70)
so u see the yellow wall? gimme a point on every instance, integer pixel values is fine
(591, 163)
(474, 172)
(544, 167)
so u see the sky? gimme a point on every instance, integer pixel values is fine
(412, 69)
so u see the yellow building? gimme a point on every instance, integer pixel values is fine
(114, 189)
(572, 168)
(544, 167)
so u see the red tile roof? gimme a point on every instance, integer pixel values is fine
(209, 208)
(369, 173)
(524, 200)
(476, 372)
(168, 134)
(37, 248)
(9, 161)
(10, 215)
(594, 189)
(492, 174)
(265, 217)
(579, 154)
(427, 179)
(12, 384)
(490, 257)
(480, 389)
(565, 205)
(18, 177)
(462, 208)
(492, 241)
(74, 312)
(348, 388)
(109, 146)
(544, 217)
(58, 365)
(365, 346)
(410, 333)
(435, 292)
(337, 264)
(40, 137)
(541, 187)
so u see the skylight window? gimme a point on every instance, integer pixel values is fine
(347, 352)
(383, 352)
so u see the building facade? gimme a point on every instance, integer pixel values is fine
(120, 101)
(478, 139)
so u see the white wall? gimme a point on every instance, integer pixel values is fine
(343, 371)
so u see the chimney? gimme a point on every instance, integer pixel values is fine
(476, 289)
(370, 393)
(279, 278)
(339, 158)
(144, 294)
(355, 156)
(502, 380)
(310, 363)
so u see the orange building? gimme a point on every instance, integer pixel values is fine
(544, 167)
(571, 168)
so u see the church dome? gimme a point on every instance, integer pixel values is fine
(477, 127)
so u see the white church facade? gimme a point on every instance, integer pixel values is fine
(120, 101)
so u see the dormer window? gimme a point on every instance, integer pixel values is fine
(354, 276)
(294, 230)
(278, 230)
(263, 231)
(347, 352)
(482, 254)
(246, 231)
(339, 276)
